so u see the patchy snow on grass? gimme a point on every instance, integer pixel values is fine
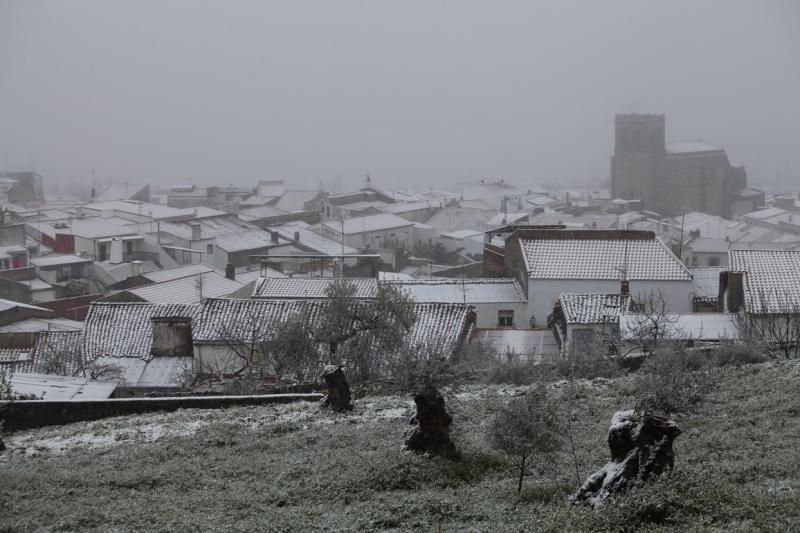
(152, 427)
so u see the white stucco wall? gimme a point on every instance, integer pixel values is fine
(487, 314)
(543, 293)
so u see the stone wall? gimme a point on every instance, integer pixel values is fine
(29, 414)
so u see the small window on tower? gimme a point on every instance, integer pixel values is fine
(209, 249)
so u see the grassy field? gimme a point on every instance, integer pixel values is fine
(290, 468)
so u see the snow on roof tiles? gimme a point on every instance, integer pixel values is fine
(358, 225)
(470, 291)
(187, 290)
(771, 279)
(124, 329)
(169, 274)
(644, 259)
(593, 308)
(309, 288)
(441, 323)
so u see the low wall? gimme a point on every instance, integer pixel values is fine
(29, 414)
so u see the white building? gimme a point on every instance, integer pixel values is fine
(548, 263)
(371, 231)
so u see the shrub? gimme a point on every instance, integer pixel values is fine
(674, 381)
(527, 426)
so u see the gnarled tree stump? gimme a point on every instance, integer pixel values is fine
(338, 396)
(430, 431)
(641, 448)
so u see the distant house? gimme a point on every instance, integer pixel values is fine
(371, 231)
(454, 218)
(185, 196)
(221, 240)
(581, 320)
(151, 343)
(705, 252)
(548, 263)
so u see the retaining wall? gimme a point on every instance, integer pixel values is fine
(29, 414)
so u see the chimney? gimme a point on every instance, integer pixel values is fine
(115, 255)
(735, 292)
(296, 236)
(625, 287)
(230, 272)
(196, 233)
(274, 237)
(79, 211)
(136, 268)
(172, 336)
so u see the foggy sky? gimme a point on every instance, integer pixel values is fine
(415, 93)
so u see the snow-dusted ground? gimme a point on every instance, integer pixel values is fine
(152, 427)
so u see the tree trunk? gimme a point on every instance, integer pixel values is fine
(521, 474)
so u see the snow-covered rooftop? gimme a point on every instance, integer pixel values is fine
(223, 319)
(358, 225)
(51, 387)
(596, 258)
(188, 290)
(685, 147)
(124, 329)
(771, 279)
(470, 291)
(310, 288)
(56, 260)
(169, 274)
(593, 308)
(311, 239)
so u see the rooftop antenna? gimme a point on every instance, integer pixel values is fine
(635, 106)
(680, 246)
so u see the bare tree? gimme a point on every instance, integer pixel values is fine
(257, 350)
(772, 320)
(62, 354)
(527, 426)
(649, 325)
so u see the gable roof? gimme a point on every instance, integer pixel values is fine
(448, 324)
(187, 290)
(310, 288)
(591, 255)
(593, 308)
(124, 329)
(771, 279)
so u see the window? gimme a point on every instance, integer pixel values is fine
(713, 261)
(505, 319)
(63, 273)
(209, 249)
